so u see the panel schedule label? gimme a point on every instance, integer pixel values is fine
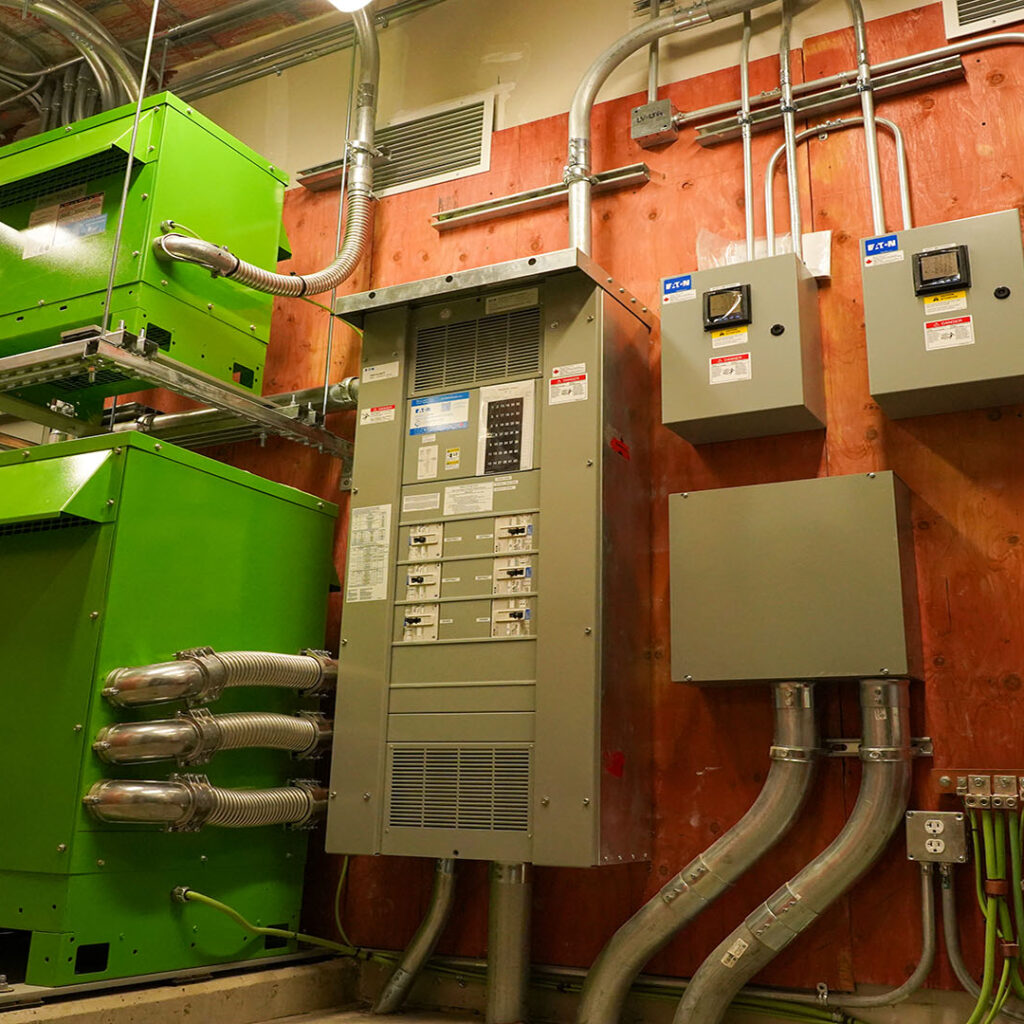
(367, 575)
(678, 289)
(439, 412)
(730, 369)
(883, 249)
(568, 384)
(950, 333)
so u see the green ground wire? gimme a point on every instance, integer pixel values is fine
(1016, 892)
(337, 902)
(991, 914)
(979, 885)
(1002, 993)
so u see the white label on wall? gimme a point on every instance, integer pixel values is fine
(367, 575)
(426, 462)
(421, 502)
(951, 333)
(382, 371)
(439, 412)
(735, 951)
(729, 369)
(729, 336)
(512, 300)
(462, 499)
(568, 384)
(945, 302)
(58, 221)
(377, 414)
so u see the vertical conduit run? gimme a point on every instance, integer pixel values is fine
(789, 129)
(508, 943)
(748, 151)
(867, 104)
(711, 873)
(885, 787)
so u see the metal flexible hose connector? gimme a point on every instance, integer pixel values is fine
(221, 262)
(200, 675)
(187, 802)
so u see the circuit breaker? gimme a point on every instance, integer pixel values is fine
(943, 306)
(493, 697)
(741, 351)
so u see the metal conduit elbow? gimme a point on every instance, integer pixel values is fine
(200, 675)
(792, 909)
(359, 201)
(794, 755)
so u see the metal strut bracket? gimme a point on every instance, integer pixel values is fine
(920, 746)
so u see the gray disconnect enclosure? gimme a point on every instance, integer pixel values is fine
(494, 683)
(803, 580)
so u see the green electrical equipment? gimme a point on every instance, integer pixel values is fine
(60, 197)
(117, 552)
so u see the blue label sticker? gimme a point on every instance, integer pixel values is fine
(884, 243)
(439, 413)
(90, 226)
(673, 285)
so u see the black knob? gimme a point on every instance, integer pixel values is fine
(777, 330)
(1002, 292)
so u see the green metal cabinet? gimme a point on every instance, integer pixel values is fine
(60, 193)
(114, 551)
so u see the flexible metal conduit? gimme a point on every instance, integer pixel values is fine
(884, 790)
(578, 170)
(359, 225)
(703, 880)
(824, 129)
(420, 949)
(508, 943)
(196, 735)
(789, 130)
(201, 675)
(867, 106)
(186, 803)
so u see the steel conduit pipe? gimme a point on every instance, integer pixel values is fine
(221, 262)
(196, 735)
(789, 130)
(578, 170)
(187, 802)
(885, 787)
(508, 943)
(867, 104)
(420, 949)
(703, 880)
(745, 132)
(200, 676)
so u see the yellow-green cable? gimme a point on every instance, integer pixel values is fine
(337, 902)
(981, 1007)
(1002, 993)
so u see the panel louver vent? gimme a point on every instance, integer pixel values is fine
(460, 787)
(83, 381)
(79, 172)
(475, 351)
(964, 17)
(61, 522)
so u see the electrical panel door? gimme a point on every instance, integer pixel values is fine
(493, 699)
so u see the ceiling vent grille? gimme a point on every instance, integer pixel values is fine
(965, 17)
(483, 788)
(476, 351)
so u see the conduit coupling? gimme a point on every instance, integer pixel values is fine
(200, 675)
(221, 262)
(711, 873)
(185, 803)
(195, 736)
(792, 909)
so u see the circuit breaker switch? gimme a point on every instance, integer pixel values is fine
(425, 541)
(937, 270)
(419, 623)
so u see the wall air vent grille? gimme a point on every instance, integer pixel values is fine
(79, 172)
(965, 17)
(476, 351)
(460, 787)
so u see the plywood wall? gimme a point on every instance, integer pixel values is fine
(966, 145)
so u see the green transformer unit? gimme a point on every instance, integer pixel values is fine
(60, 196)
(120, 551)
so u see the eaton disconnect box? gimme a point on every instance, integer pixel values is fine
(493, 697)
(741, 351)
(801, 580)
(943, 307)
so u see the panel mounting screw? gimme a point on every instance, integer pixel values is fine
(344, 642)
(553, 325)
(587, 631)
(157, 447)
(62, 847)
(590, 462)
(334, 794)
(94, 615)
(978, 780)
(366, 798)
(110, 502)
(78, 727)
(101, 863)
(871, 476)
(687, 679)
(586, 801)
(945, 781)
(545, 800)
(884, 671)
(203, 858)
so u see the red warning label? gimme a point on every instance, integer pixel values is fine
(729, 369)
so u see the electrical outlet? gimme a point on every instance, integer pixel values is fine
(937, 837)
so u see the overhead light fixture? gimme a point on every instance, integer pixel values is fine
(350, 5)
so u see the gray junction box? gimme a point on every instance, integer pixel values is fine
(803, 580)
(494, 686)
(741, 351)
(944, 311)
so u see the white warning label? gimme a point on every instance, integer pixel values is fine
(466, 498)
(568, 384)
(382, 371)
(421, 502)
(377, 414)
(945, 302)
(729, 369)
(426, 462)
(55, 223)
(367, 576)
(950, 333)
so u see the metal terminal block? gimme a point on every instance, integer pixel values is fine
(1002, 792)
(936, 837)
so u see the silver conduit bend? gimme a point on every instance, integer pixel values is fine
(885, 787)
(195, 736)
(578, 172)
(508, 943)
(201, 675)
(421, 948)
(359, 223)
(703, 880)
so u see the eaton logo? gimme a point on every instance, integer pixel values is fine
(674, 285)
(884, 243)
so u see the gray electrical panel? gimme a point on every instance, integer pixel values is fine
(943, 308)
(493, 697)
(741, 351)
(803, 580)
